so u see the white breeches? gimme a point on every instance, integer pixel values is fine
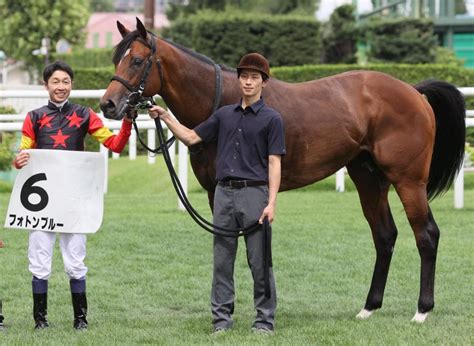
(73, 250)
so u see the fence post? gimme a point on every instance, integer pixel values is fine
(340, 180)
(105, 152)
(132, 146)
(459, 189)
(151, 142)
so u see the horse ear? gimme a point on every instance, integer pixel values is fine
(123, 30)
(141, 28)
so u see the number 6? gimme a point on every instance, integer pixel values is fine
(28, 189)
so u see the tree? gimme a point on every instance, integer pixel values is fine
(340, 36)
(402, 40)
(25, 23)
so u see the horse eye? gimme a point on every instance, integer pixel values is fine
(137, 61)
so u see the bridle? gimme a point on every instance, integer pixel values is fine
(136, 100)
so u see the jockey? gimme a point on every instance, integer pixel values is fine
(62, 125)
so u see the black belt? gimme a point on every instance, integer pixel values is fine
(240, 184)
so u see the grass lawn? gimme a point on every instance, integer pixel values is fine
(150, 272)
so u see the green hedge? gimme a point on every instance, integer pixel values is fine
(97, 57)
(285, 40)
(99, 78)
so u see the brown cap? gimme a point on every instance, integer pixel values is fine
(254, 61)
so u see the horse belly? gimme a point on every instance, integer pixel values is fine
(318, 144)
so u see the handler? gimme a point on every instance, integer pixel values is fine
(62, 125)
(250, 142)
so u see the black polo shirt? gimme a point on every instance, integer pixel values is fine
(245, 138)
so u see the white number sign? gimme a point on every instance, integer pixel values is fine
(58, 191)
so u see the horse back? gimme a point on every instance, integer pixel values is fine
(329, 121)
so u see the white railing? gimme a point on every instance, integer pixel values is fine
(41, 96)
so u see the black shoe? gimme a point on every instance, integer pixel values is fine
(80, 324)
(79, 303)
(40, 310)
(41, 324)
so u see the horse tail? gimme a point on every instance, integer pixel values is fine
(449, 108)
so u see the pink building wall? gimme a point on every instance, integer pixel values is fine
(102, 28)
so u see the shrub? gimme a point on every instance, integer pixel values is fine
(339, 36)
(226, 36)
(402, 40)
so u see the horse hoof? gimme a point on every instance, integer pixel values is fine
(364, 314)
(419, 317)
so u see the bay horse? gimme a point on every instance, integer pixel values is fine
(385, 131)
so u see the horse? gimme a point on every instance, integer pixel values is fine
(385, 131)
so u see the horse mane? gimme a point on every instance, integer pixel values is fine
(123, 45)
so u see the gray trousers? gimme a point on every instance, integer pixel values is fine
(235, 208)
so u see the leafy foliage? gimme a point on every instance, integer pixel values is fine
(6, 153)
(339, 36)
(225, 37)
(86, 58)
(402, 40)
(446, 56)
(6, 143)
(25, 23)
(177, 10)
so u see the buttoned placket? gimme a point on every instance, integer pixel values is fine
(237, 141)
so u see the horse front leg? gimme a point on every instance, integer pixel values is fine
(373, 193)
(427, 235)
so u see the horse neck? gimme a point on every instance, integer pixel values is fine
(189, 86)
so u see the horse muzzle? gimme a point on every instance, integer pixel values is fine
(111, 111)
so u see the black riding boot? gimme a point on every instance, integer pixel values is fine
(79, 303)
(40, 302)
(40, 310)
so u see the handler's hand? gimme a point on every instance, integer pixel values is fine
(158, 112)
(21, 159)
(269, 212)
(1, 243)
(130, 115)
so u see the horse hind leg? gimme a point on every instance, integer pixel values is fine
(373, 187)
(415, 202)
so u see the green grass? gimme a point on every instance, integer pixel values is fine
(150, 273)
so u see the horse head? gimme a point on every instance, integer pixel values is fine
(137, 72)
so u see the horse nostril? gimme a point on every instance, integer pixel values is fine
(108, 108)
